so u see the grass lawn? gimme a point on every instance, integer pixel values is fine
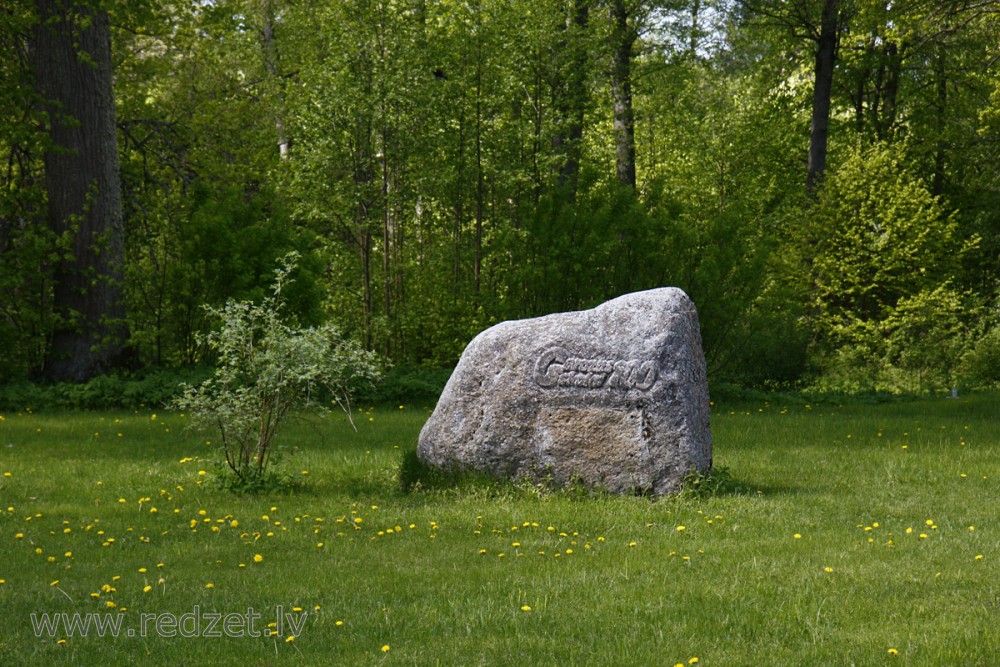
(855, 535)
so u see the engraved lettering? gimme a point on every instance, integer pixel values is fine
(555, 368)
(549, 368)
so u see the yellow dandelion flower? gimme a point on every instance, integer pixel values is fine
(893, 651)
(385, 648)
(257, 558)
(289, 639)
(680, 528)
(525, 608)
(828, 569)
(146, 589)
(210, 585)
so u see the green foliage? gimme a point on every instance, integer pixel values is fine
(449, 165)
(980, 365)
(403, 385)
(876, 257)
(150, 387)
(266, 367)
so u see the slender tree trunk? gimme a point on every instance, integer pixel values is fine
(826, 54)
(940, 119)
(71, 56)
(477, 266)
(570, 95)
(270, 55)
(621, 92)
(695, 38)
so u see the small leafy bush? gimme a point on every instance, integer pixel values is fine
(266, 368)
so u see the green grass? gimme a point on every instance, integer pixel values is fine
(804, 556)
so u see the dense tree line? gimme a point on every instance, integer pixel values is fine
(821, 176)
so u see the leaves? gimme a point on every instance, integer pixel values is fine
(266, 368)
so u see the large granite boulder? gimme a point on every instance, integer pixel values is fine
(614, 397)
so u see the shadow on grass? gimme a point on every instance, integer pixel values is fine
(415, 477)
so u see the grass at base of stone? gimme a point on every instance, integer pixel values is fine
(863, 534)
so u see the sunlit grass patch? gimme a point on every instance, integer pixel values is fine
(806, 549)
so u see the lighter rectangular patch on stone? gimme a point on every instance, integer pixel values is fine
(592, 444)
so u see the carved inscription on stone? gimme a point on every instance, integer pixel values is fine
(556, 368)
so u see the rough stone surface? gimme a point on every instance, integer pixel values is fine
(615, 397)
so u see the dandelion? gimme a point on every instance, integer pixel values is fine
(257, 558)
(339, 623)
(146, 589)
(680, 528)
(525, 608)
(893, 651)
(828, 569)
(289, 639)
(797, 536)
(209, 585)
(385, 648)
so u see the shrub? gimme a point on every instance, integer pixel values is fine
(266, 368)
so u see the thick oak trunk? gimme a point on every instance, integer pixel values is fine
(71, 55)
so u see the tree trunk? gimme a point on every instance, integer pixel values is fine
(71, 57)
(826, 55)
(940, 118)
(570, 95)
(621, 92)
(270, 57)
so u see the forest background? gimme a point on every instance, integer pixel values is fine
(822, 177)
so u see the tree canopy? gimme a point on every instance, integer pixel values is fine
(821, 176)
